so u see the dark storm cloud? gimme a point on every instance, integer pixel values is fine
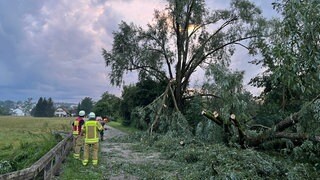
(52, 48)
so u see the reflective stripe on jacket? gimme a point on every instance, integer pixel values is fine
(91, 129)
(77, 126)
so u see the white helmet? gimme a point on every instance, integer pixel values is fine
(82, 113)
(92, 115)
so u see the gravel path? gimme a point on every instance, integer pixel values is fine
(116, 155)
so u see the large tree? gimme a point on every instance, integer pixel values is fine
(291, 55)
(108, 105)
(182, 38)
(86, 104)
(43, 108)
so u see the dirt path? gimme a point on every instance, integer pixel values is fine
(117, 156)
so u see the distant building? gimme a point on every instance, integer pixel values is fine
(60, 112)
(17, 112)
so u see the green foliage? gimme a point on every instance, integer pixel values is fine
(191, 158)
(118, 125)
(5, 107)
(6, 166)
(27, 106)
(291, 55)
(316, 110)
(178, 124)
(151, 53)
(26, 139)
(310, 122)
(43, 108)
(140, 118)
(208, 131)
(233, 98)
(128, 103)
(108, 105)
(86, 104)
(161, 118)
(140, 95)
(27, 153)
(308, 152)
(192, 112)
(269, 114)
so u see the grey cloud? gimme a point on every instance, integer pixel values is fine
(52, 48)
(44, 53)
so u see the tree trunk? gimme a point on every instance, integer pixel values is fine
(269, 134)
(178, 95)
(287, 122)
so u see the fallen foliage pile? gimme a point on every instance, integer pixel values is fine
(193, 159)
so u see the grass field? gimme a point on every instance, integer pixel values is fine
(118, 125)
(23, 140)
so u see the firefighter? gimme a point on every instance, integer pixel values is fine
(77, 137)
(102, 122)
(91, 133)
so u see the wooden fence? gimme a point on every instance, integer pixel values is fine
(46, 167)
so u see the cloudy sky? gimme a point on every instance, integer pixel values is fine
(52, 48)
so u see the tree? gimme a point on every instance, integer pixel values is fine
(50, 108)
(184, 37)
(291, 55)
(27, 106)
(128, 103)
(108, 105)
(230, 98)
(5, 107)
(139, 95)
(228, 87)
(86, 105)
(43, 108)
(278, 136)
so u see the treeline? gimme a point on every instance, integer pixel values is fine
(44, 108)
(5, 107)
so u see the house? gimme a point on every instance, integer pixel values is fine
(60, 112)
(17, 112)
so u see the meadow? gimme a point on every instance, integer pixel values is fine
(23, 140)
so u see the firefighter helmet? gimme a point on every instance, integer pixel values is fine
(92, 115)
(82, 113)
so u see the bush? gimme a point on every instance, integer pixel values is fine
(6, 166)
(307, 152)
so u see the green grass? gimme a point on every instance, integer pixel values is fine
(118, 125)
(23, 140)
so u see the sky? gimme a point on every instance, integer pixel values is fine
(52, 48)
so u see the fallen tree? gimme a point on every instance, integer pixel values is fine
(277, 132)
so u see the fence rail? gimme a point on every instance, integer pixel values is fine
(45, 167)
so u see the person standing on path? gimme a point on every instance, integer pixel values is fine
(77, 137)
(102, 122)
(91, 132)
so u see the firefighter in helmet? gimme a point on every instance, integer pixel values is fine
(77, 137)
(91, 133)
